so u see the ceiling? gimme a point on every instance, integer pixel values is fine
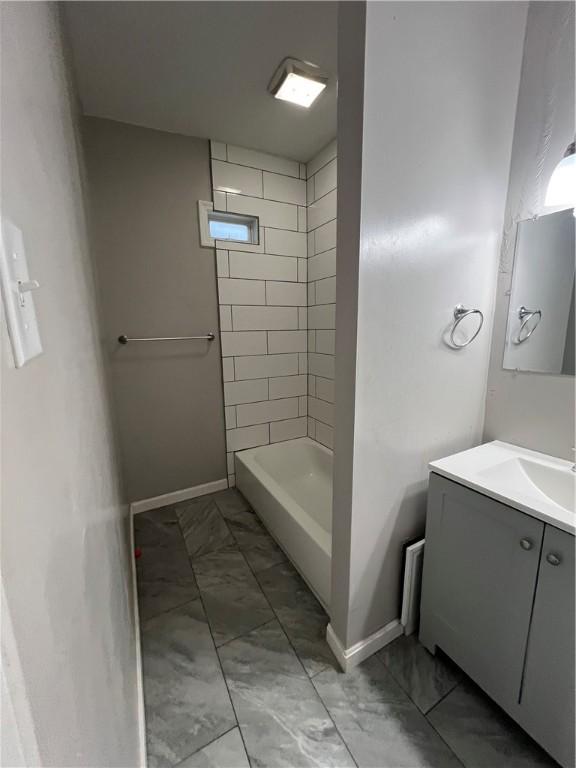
(202, 68)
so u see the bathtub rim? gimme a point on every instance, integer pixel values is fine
(248, 458)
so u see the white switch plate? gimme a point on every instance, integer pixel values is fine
(17, 297)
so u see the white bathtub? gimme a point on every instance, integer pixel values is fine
(289, 485)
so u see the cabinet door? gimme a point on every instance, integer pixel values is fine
(480, 567)
(547, 700)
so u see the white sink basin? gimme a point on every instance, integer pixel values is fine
(540, 485)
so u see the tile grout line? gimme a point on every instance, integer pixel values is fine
(216, 647)
(424, 714)
(196, 751)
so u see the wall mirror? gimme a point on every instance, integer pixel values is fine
(540, 331)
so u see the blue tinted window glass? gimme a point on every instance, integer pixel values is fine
(227, 230)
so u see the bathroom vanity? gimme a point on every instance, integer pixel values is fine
(498, 583)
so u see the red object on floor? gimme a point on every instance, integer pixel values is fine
(137, 553)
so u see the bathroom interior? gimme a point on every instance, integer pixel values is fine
(288, 339)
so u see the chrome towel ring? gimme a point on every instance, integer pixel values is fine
(525, 316)
(460, 312)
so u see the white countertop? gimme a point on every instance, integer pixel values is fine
(517, 477)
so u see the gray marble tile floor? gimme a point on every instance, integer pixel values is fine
(237, 671)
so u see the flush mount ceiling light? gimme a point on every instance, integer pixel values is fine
(299, 82)
(562, 184)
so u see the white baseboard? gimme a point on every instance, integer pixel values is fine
(351, 657)
(144, 505)
(139, 678)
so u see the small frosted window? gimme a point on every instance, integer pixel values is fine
(235, 227)
(229, 230)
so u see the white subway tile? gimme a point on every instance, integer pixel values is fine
(236, 392)
(302, 362)
(303, 171)
(320, 410)
(326, 291)
(243, 343)
(261, 266)
(312, 385)
(287, 386)
(303, 405)
(302, 318)
(286, 341)
(311, 341)
(244, 247)
(219, 199)
(302, 270)
(325, 180)
(225, 318)
(320, 316)
(270, 410)
(311, 428)
(326, 342)
(265, 162)
(321, 365)
(311, 294)
(227, 177)
(325, 389)
(218, 150)
(265, 318)
(324, 237)
(247, 437)
(287, 430)
(261, 366)
(324, 434)
(284, 189)
(237, 291)
(310, 190)
(270, 214)
(284, 242)
(230, 416)
(321, 266)
(230, 463)
(228, 369)
(302, 219)
(320, 212)
(285, 294)
(222, 268)
(324, 156)
(311, 243)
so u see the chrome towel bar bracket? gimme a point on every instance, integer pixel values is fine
(460, 312)
(525, 315)
(206, 337)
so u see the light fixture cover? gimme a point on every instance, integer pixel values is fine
(298, 82)
(562, 185)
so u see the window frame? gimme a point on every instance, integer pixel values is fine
(206, 212)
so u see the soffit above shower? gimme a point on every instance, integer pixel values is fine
(202, 68)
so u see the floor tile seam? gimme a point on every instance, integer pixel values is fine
(398, 682)
(213, 741)
(248, 632)
(445, 696)
(143, 622)
(317, 694)
(226, 684)
(443, 740)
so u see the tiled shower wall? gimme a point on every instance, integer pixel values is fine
(266, 301)
(321, 173)
(262, 297)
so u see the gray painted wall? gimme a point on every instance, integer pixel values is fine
(67, 621)
(435, 168)
(156, 280)
(531, 409)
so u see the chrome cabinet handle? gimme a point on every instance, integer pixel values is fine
(553, 559)
(526, 543)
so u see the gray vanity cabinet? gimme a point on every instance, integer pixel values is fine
(480, 570)
(547, 699)
(498, 598)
